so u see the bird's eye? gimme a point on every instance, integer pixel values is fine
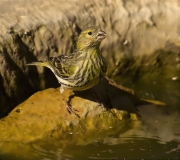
(89, 33)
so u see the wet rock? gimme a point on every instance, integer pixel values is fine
(44, 114)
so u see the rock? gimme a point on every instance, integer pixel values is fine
(44, 115)
(140, 33)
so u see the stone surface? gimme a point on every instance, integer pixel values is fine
(143, 37)
(44, 115)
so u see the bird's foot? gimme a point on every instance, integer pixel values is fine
(71, 110)
(68, 107)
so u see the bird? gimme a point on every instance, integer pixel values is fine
(82, 69)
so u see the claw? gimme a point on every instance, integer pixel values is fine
(70, 109)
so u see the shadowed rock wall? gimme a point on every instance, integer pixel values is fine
(140, 33)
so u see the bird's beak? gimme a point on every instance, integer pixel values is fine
(101, 35)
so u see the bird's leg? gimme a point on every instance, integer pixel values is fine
(68, 107)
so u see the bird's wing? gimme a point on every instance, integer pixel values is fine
(64, 66)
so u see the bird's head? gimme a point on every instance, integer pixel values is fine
(90, 37)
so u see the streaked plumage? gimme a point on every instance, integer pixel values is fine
(83, 68)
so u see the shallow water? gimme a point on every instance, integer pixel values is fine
(156, 136)
(125, 146)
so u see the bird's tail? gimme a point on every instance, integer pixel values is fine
(39, 63)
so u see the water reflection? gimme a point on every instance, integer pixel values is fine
(155, 137)
(109, 148)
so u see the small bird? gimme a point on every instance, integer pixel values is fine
(82, 69)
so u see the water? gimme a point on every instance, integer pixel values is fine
(156, 136)
(130, 147)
